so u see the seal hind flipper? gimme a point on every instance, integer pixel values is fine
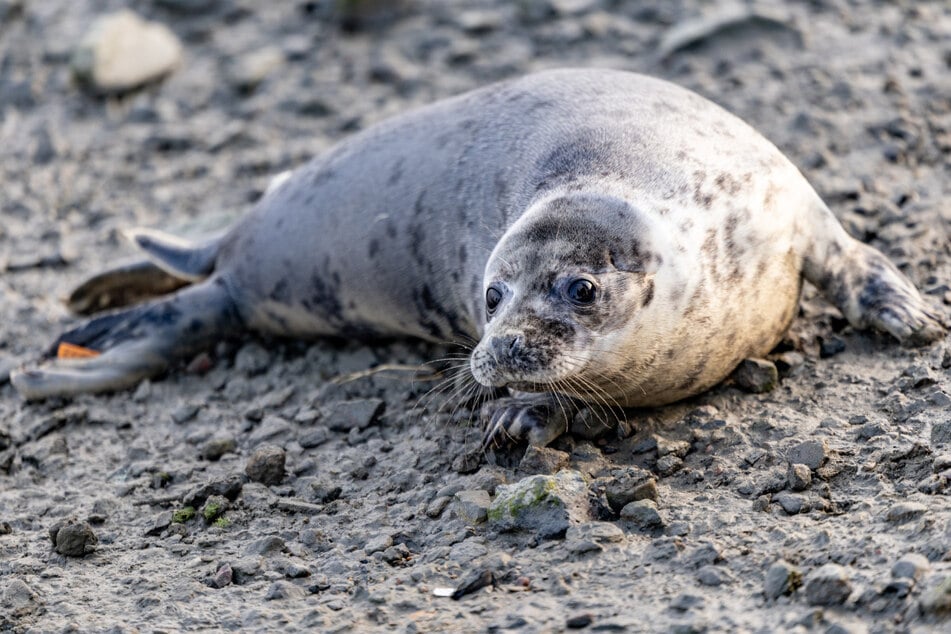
(535, 418)
(135, 343)
(177, 256)
(122, 286)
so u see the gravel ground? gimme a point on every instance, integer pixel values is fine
(267, 486)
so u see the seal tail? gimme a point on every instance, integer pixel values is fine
(126, 346)
(869, 290)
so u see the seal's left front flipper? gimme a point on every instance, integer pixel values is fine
(869, 290)
(536, 418)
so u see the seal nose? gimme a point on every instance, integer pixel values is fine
(509, 346)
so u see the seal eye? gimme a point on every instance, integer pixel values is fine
(581, 292)
(493, 296)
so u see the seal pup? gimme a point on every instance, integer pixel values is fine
(605, 236)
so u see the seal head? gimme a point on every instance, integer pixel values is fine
(564, 288)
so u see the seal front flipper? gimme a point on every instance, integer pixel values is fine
(869, 290)
(536, 418)
(136, 343)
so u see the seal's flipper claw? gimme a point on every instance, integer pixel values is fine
(134, 344)
(537, 419)
(176, 256)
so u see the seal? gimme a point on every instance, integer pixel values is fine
(604, 236)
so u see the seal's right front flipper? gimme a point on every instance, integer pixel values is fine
(134, 344)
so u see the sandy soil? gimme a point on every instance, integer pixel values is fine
(369, 519)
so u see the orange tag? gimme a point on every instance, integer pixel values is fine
(72, 351)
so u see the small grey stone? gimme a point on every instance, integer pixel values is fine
(828, 585)
(669, 465)
(184, 413)
(294, 505)
(73, 539)
(472, 505)
(800, 477)
(905, 512)
(713, 576)
(812, 453)
(665, 447)
(543, 460)
(791, 503)
(252, 359)
(397, 554)
(831, 347)
(215, 448)
(781, 578)
(546, 505)
(911, 566)
(228, 486)
(265, 546)
(245, 569)
(378, 544)
(17, 597)
(579, 621)
(214, 507)
(941, 433)
(266, 465)
(160, 523)
(435, 508)
(598, 532)
(354, 414)
(756, 375)
(284, 590)
(314, 438)
(643, 513)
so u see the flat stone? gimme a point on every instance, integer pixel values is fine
(791, 503)
(122, 51)
(545, 505)
(829, 585)
(543, 460)
(905, 512)
(629, 484)
(215, 448)
(354, 414)
(812, 453)
(472, 505)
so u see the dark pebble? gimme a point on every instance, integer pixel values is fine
(831, 347)
(73, 539)
(266, 465)
(579, 621)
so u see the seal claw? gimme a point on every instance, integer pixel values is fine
(537, 419)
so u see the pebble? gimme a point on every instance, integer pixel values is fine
(543, 460)
(669, 465)
(122, 51)
(266, 465)
(831, 347)
(73, 539)
(812, 453)
(713, 576)
(790, 502)
(905, 512)
(599, 532)
(828, 585)
(756, 376)
(228, 486)
(314, 438)
(643, 513)
(354, 414)
(222, 577)
(284, 590)
(265, 546)
(941, 433)
(378, 544)
(545, 505)
(781, 578)
(217, 447)
(937, 600)
(472, 505)
(629, 484)
(184, 413)
(252, 359)
(161, 522)
(17, 598)
(911, 566)
(799, 476)
(579, 621)
(214, 507)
